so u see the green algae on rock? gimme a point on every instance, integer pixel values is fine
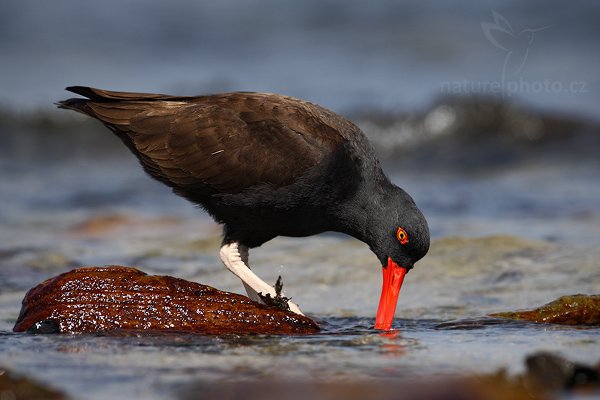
(578, 309)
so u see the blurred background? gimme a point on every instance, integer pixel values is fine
(493, 89)
(486, 112)
(345, 55)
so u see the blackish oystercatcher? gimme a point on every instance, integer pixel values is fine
(266, 165)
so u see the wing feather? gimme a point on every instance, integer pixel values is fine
(218, 144)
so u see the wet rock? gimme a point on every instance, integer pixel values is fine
(100, 225)
(468, 134)
(547, 377)
(20, 388)
(550, 372)
(45, 327)
(117, 299)
(486, 387)
(579, 309)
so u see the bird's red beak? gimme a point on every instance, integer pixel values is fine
(393, 276)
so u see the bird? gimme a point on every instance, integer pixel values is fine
(266, 165)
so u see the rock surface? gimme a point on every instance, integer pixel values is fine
(117, 299)
(578, 309)
(482, 387)
(16, 387)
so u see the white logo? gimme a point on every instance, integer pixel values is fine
(516, 44)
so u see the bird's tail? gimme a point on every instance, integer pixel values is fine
(79, 105)
(114, 109)
(101, 95)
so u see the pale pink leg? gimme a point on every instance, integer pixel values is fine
(235, 258)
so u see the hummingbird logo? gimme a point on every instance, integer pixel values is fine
(516, 44)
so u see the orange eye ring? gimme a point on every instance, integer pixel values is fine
(402, 236)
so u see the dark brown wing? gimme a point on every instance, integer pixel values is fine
(222, 143)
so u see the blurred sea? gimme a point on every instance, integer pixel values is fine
(507, 177)
(343, 54)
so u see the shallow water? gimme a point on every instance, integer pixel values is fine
(94, 367)
(334, 278)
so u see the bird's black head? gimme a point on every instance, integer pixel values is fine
(399, 236)
(400, 230)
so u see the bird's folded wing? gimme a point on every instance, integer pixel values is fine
(218, 148)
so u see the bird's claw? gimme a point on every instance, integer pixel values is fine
(279, 300)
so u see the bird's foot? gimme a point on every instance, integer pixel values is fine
(235, 258)
(279, 300)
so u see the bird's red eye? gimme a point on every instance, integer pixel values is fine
(402, 236)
